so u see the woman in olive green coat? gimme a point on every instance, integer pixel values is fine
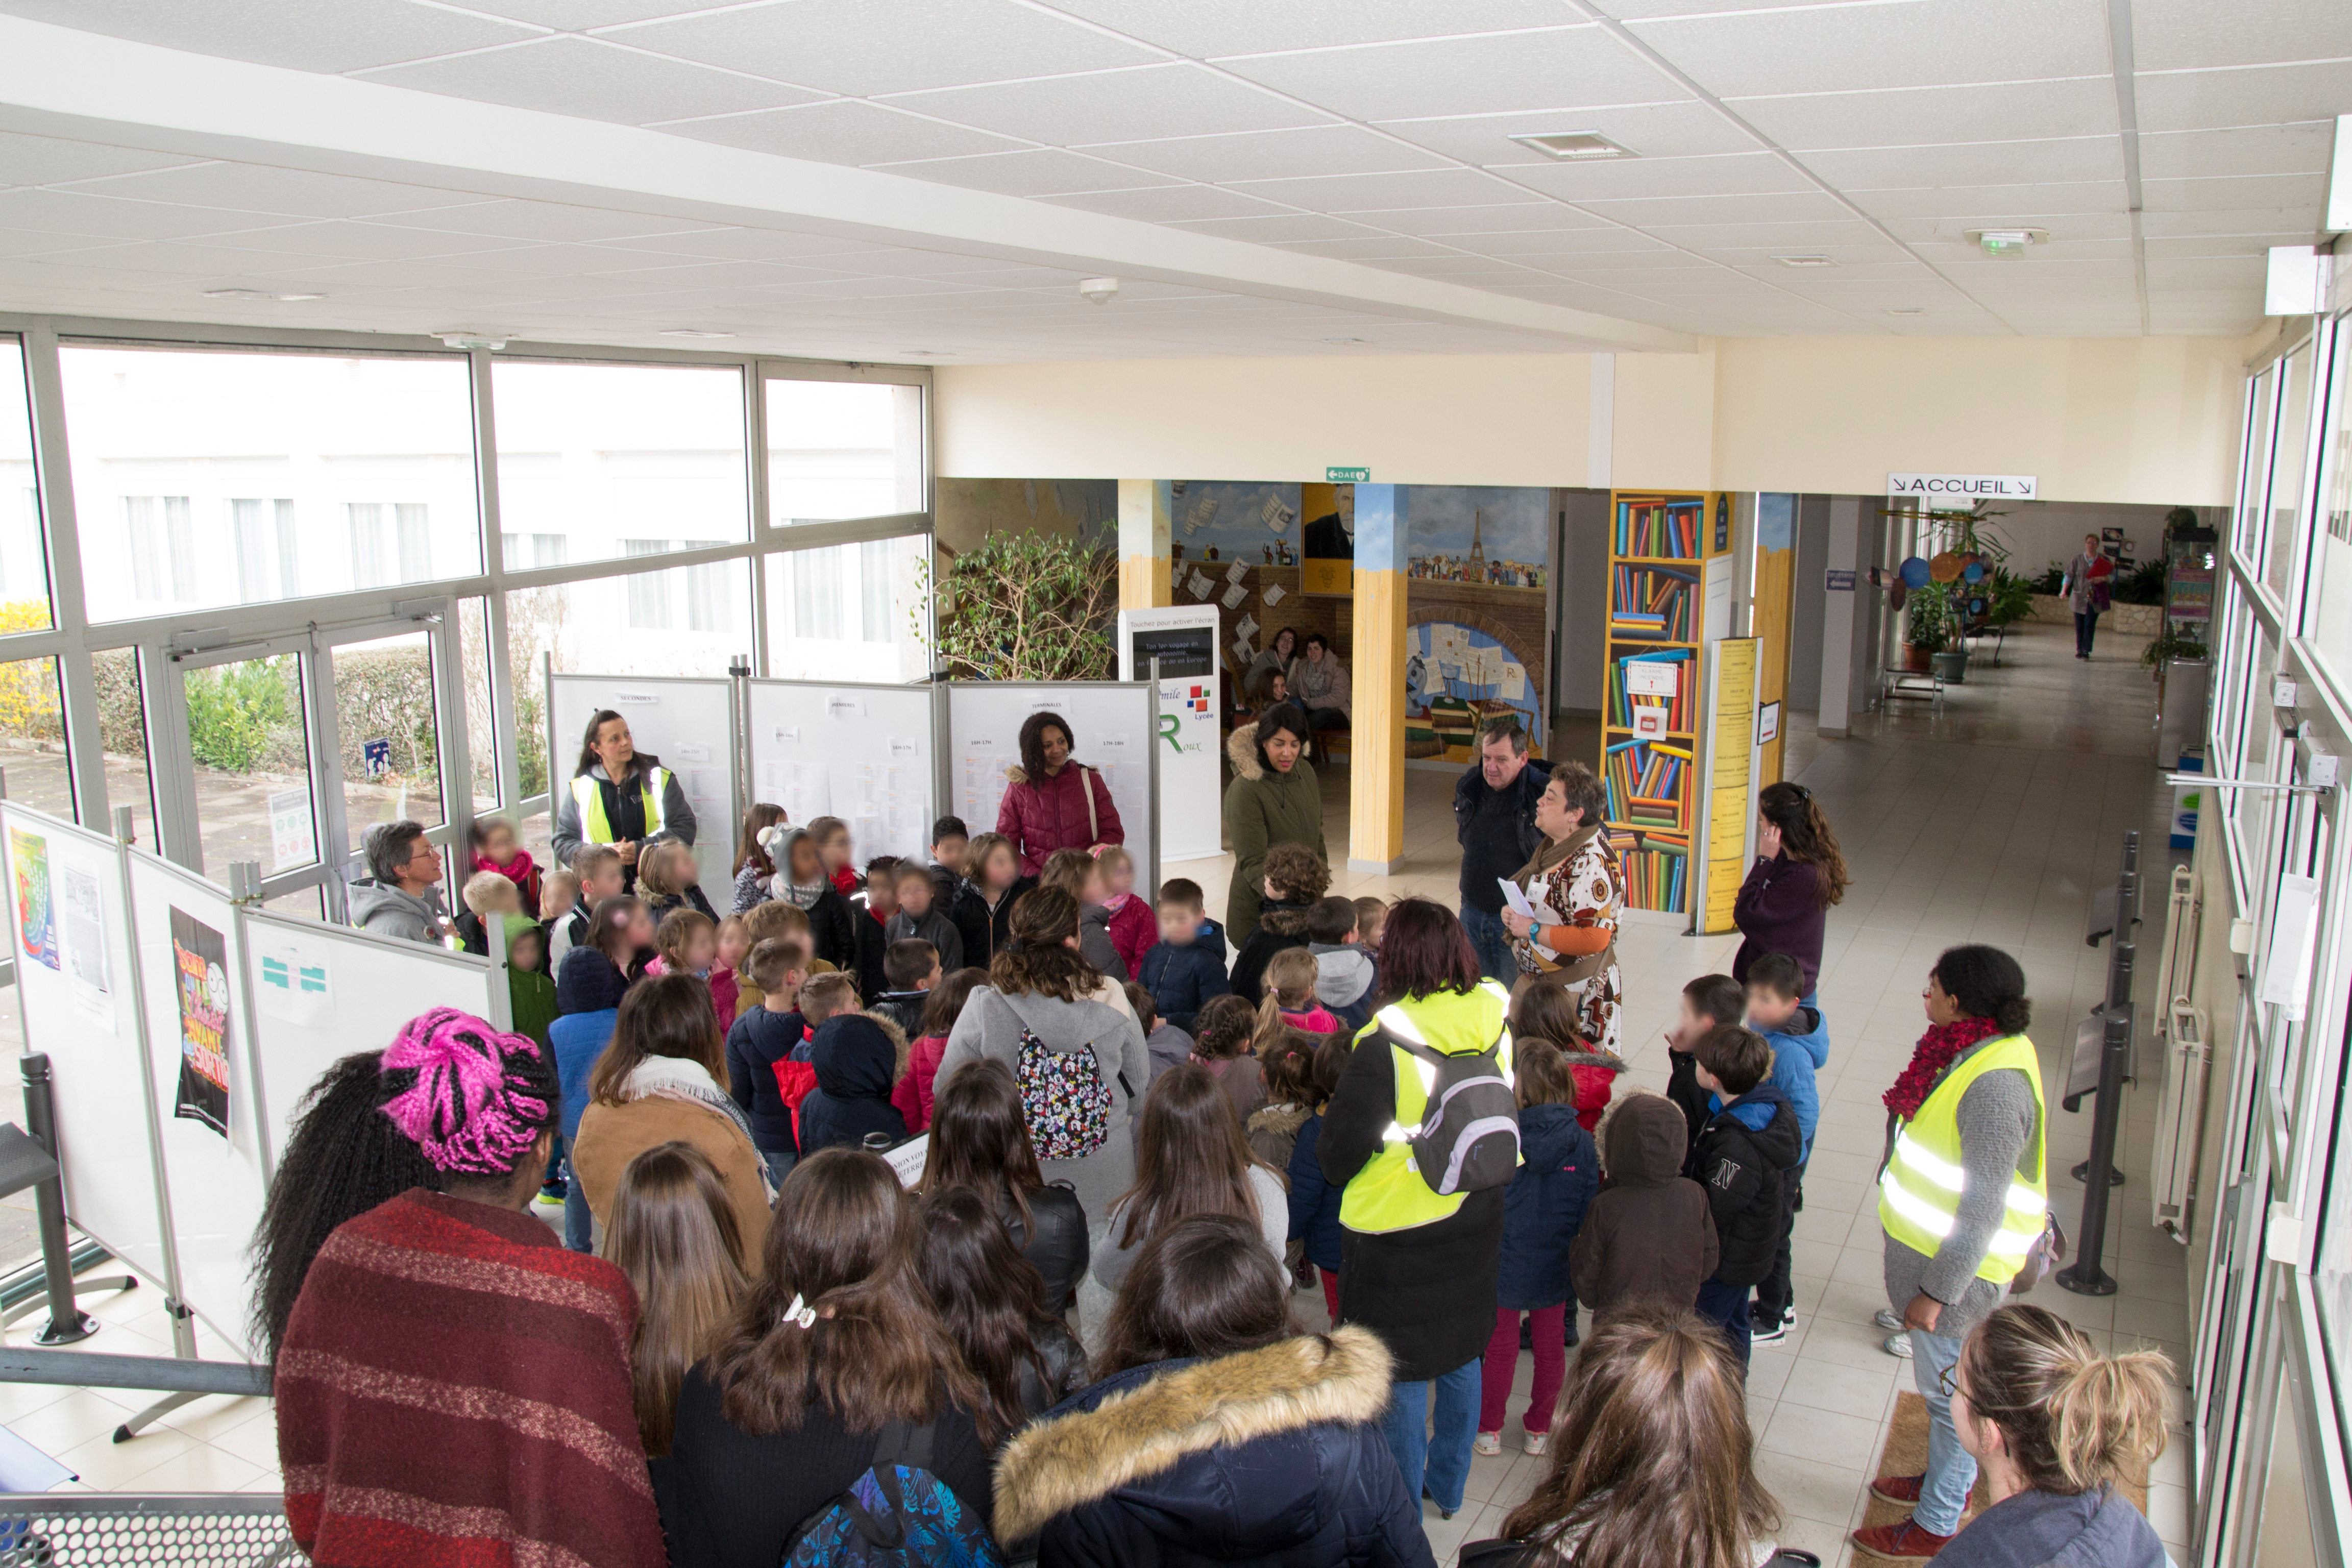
(1273, 799)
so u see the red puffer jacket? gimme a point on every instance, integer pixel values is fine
(1041, 815)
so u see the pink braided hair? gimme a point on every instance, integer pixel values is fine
(467, 1112)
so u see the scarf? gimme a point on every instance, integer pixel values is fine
(1933, 1053)
(778, 842)
(519, 870)
(1554, 852)
(682, 1079)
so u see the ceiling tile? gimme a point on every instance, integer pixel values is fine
(359, 241)
(2208, 99)
(293, 192)
(595, 80)
(1384, 192)
(579, 16)
(1782, 209)
(2221, 244)
(843, 131)
(2167, 34)
(1208, 28)
(1306, 151)
(1171, 204)
(46, 160)
(1925, 116)
(745, 244)
(1437, 222)
(1537, 71)
(1773, 235)
(1284, 226)
(1367, 248)
(348, 35)
(2240, 192)
(869, 46)
(1655, 131)
(2247, 150)
(2246, 272)
(1030, 172)
(1179, 100)
(1928, 44)
(2303, 221)
(1992, 206)
(1601, 239)
(1973, 164)
(101, 217)
(1740, 173)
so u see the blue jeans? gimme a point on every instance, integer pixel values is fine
(1726, 1305)
(1493, 943)
(578, 1233)
(779, 1165)
(1944, 1490)
(1438, 1464)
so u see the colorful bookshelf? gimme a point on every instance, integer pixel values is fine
(1659, 545)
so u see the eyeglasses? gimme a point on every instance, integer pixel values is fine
(1948, 1382)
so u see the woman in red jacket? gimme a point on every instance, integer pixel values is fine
(1053, 803)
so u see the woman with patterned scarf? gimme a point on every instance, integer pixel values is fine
(1574, 881)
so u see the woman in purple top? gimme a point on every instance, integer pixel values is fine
(1799, 873)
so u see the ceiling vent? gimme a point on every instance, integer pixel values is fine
(1575, 146)
(1807, 260)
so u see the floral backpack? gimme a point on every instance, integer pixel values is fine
(1062, 1098)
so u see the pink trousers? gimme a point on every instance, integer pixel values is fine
(1502, 1361)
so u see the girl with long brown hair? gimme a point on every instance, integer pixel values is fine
(673, 1233)
(837, 1340)
(1191, 1157)
(993, 1303)
(980, 1140)
(1783, 907)
(608, 959)
(1653, 1464)
(983, 907)
(753, 866)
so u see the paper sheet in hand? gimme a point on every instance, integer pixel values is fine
(1519, 904)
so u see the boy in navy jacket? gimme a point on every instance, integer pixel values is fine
(1186, 966)
(1799, 1038)
(1748, 1144)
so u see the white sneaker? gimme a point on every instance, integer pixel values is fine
(1538, 1442)
(1898, 1346)
(1888, 1318)
(1488, 1443)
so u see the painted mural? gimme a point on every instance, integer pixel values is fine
(1217, 521)
(1485, 535)
(1477, 559)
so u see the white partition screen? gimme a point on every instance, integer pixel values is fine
(688, 723)
(74, 981)
(1111, 725)
(863, 753)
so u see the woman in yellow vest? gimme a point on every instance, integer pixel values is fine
(1962, 1202)
(619, 795)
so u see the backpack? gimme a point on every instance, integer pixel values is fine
(1468, 1138)
(897, 1515)
(1062, 1098)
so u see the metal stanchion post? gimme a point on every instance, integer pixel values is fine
(2087, 1275)
(67, 1324)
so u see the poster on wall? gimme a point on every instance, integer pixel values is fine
(1477, 559)
(82, 903)
(36, 929)
(200, 964)
(1331, 543)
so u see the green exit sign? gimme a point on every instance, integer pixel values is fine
(1349, 475)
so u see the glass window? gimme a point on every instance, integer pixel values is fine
(840, 449)
(33, 736)
(123, 735)
(848, 612)
(2332, 1274)
(595, 626)
(2251, 810)
(2247, 544)
(387, 733)
(2329, 625)
(24, 568)
(481, 732)
(250, 742)
(2292, 445)
(589, 454)
(229, 478)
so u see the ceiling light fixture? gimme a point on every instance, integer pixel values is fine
(1099, 290)
(692, 332)
(472, 340)
(258, 294)
(1906, 310)
(1347, 339)
(2008, 244)
(1574, 145)
(1809, 260)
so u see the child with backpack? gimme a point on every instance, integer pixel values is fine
(1747, 1145)
(1542, 1211)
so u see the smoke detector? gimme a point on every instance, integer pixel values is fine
(2008, 244)
(1097, 291)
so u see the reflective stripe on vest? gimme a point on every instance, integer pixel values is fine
(1388, 1193)
(595, 827)
(1919, 1193)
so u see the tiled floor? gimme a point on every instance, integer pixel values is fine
(1990, 822)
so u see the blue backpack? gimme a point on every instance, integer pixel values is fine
(897, 1515)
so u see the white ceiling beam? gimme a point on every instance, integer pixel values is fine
(56, 82)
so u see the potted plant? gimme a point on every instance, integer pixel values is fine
(1927, 631)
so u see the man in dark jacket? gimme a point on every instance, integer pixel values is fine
(1494, 822)
(1747, 1143)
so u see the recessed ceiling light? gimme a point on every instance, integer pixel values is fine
(1809, 260)
(1347, 339)
(472, 340)
(692, 332)
(2008, 244)
(256, 294)
(1906, 310)
(1575, 144)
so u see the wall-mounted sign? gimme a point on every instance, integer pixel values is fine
(1962, 487)
(1836, 582)
(1348, 475)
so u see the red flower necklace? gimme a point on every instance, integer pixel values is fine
(1930, 1057)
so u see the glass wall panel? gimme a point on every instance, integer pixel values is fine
(2287, 455)
(248, 736)
(2329, 625)
(2332, 1274)
(848, 612)
(206, 478)
(388, 733)
(2251, 810)
(2246, 542)
(481, 739)
(686, 620)
(23, 569)
(122, 732)
(599, 461)
(33, 736)
(841, 449)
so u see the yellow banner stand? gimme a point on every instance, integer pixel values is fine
(1729, 777)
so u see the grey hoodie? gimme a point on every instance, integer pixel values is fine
(1343, 972)
(992, 1025)
(1095, 943)
(388, 911)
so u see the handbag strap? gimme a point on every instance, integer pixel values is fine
(1086, 788)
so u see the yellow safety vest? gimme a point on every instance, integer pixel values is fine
(1389, 1193)
(595, 827)
(1919, 1194)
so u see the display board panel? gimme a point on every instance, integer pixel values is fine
(1729, 781)
(81, 1008)
(863, 753)
(1191, 709)
(689, 724)
(191, 983)
(1111, 725)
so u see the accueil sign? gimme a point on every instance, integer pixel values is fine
(1962, 487)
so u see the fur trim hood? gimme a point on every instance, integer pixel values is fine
(1284, 920)
(1241, 750)
(1140, 1433)
(1283, 1121)
(1014, 774)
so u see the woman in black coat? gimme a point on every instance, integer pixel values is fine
(979, 1138)
(1222, 1435)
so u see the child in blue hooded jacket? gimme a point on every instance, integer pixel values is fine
(1799, 1038)
(1542, 1210)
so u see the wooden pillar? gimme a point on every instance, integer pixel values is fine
(1376, 749)
(1144, 506)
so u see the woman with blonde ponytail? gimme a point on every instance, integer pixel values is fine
(2055, 1426)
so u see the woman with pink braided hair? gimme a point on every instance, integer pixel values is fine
(453, 1385)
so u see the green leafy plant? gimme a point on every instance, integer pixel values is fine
(239, 714)
(2142, 585)
(2052, 581)
(2012, 597)
(1930, 626)
(2172, 644)
(1023, 607)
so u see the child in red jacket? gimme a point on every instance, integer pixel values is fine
(912, 1096)
(1133, 927)
(1549, 1013)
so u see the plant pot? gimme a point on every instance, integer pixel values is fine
(1914, 659)
(1951, 665)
